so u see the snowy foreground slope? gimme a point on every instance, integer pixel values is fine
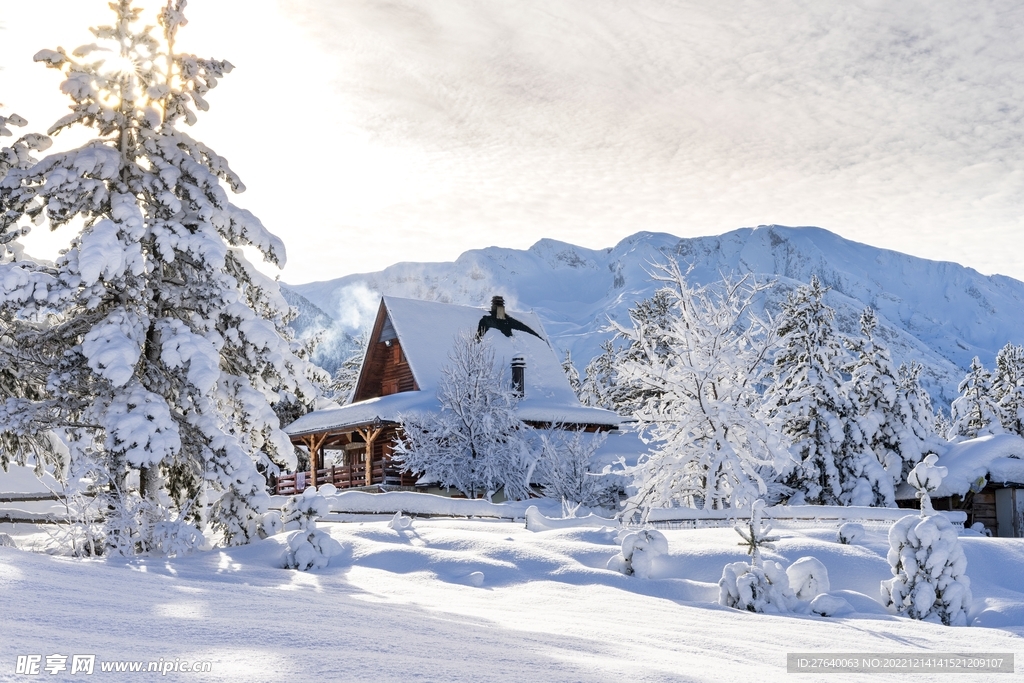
(942, 314)
(402, 605)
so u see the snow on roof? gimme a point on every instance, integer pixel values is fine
(999, 459)
(426, 331)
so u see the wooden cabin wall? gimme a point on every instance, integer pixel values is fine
(387, 372)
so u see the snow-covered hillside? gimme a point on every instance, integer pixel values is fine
(940, 313)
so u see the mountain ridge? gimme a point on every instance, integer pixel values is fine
(937, 312)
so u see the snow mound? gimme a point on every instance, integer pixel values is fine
(850, 533)
(826, 605)
(400, 522)
(808, 577)
(537, 521)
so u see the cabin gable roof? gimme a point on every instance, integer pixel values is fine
(425, 332)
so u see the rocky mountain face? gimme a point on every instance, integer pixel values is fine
(941, 314)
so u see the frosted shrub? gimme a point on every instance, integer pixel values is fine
(301, 511)
(761, 586)
(808, 578)
(640, 549)
(6, 540)
(850, 533)
(928, 565)
(271, 523)
(755, 589)
(175, 538)
(310, 549)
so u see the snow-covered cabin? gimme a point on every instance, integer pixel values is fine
(985, 479)
(409, 346)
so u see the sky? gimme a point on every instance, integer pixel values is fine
(375, 131)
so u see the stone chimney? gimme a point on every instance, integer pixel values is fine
(498, 307)
(519, 376)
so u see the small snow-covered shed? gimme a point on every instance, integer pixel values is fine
(409, 345)
(985, 479)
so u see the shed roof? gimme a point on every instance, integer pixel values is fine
(999, 459)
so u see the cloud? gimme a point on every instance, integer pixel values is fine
(413, 131)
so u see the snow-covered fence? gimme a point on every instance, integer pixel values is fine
(787, 516)
(422, 504)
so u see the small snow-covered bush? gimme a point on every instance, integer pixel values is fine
(755, 589)
(6, 540)
(271, 523)
(761, 586)
(929, 571)
(301, 511)
(175, 537)
(979, 528)
(640, 550)
(310, 549)
(808, 578)
(928, 565)
(850, 533)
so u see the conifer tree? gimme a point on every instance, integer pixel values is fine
(1008, 388)
(919, 421)
(572, 374)
(976, 412)
(605, 386)
(166, 351)
(875, 391)
(810, 402)
(600, 376)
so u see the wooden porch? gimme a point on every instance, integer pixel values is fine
(346, 450)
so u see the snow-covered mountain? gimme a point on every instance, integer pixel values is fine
(942, 314)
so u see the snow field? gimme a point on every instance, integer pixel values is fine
(444, 599)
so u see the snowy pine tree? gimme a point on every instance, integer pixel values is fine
(976, 412)
(343, 384)
(881, 416)
(166, 351)
(1008, 388)
(809, 401)
(919, 421)
(605, 386)
(572, 374)
(475, 443)
(26, 414)
(928, 564)
(600, 378)
(698, 372)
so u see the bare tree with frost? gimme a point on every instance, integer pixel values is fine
(700, 373)
(475, 443)
(165, 350)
